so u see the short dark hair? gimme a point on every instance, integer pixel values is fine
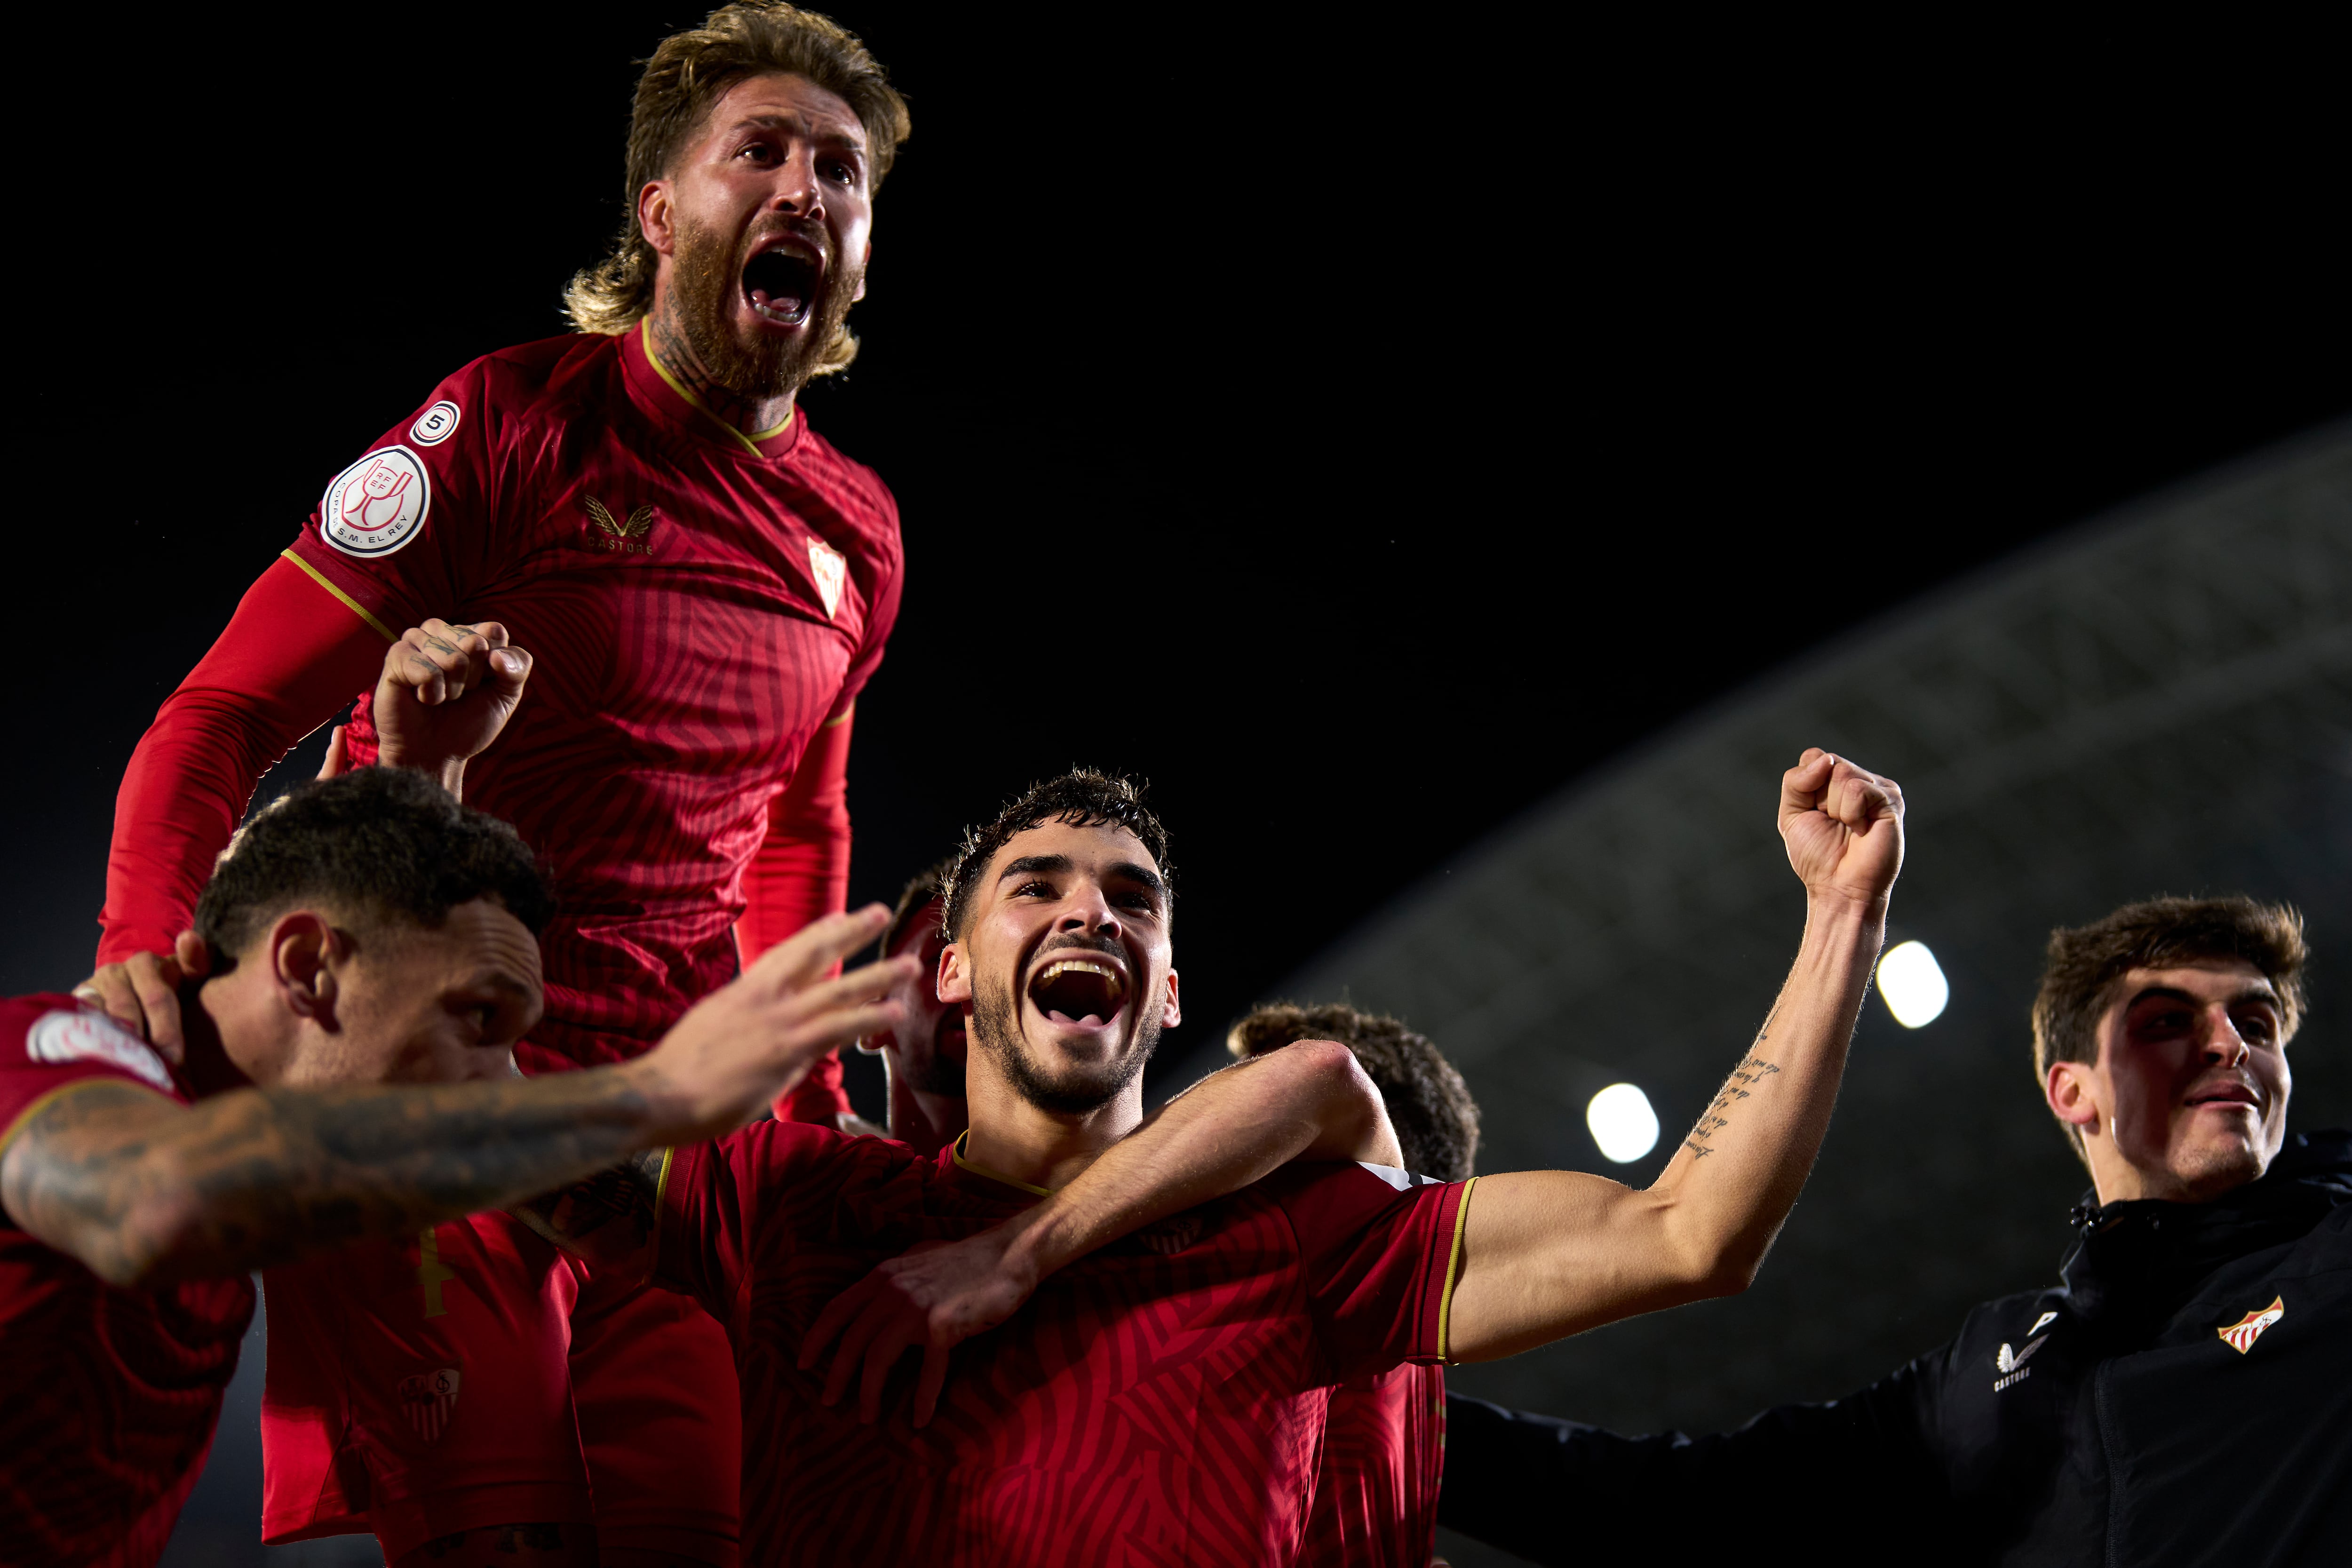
(2081, 964)
(925, 888)
(1083, 797)
(377, 846)
(1436, 1121)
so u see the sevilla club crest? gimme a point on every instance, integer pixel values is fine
(827, 565)
(2241, 1335)
(376, 505)
(429, 1398)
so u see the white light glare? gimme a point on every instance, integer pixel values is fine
(1914, 985)
(1622, 1122)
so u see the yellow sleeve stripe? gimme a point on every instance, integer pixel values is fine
(356, 607)
(1452, 1277)
(844, 717)
(35, 1107)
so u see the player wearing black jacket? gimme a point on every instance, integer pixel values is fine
(2183, 1397)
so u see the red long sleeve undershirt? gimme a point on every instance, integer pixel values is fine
(800, 873)
(293, 654)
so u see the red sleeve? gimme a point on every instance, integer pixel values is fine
(1381, 1250)
(293, 653)
(47, 1043)
(412, 528)
(800, 873)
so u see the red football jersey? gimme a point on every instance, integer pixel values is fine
(113, 1394)
(1160, 1402)
(700, 604)
(421, 1387)
(1383, 1458)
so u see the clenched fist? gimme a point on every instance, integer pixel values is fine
(1843, 826)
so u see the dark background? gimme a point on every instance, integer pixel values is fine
(1363, 428)
(1360, 430)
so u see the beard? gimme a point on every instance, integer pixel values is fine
(709, 276)
(1072, 1091)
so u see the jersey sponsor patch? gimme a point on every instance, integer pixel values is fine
(2241, 1335)
(436, 425)
(376, 505)
(830, 569)
(61, 1036)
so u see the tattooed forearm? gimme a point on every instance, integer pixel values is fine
(1752, 1070)
(608, 1218)
(143, 1190)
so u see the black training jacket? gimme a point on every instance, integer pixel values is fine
(2183, 1397)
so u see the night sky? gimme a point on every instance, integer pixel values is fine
(1360, 431)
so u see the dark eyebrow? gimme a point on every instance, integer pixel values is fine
(794, 123)
(1143, 874)
(496, 980)
(1029, 865)
(2173, 994)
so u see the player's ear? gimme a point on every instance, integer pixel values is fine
(955, 979)
(1171, 1013)
(862, 265)
(2068, 1089)
(304, 951)
(653, 214)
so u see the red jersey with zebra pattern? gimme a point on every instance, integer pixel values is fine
(1161, 1402)
(113, 1393)
(1383, 1460)
(700, 602)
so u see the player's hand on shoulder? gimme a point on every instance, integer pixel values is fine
(749, 1041)
(142, 993)
(446, 692)
(931, 1297)
(1844, 827)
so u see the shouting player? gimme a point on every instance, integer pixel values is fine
(1384, 1437)
(368, 936)
(711, 583)
(1163, 1399)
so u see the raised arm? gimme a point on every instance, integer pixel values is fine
(1309, 1100)
(292, 654)
(443, 693)
(144, 1190)
(1546, 1254)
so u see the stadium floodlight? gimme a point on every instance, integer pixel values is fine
(1913, 983)
(1622, 1122)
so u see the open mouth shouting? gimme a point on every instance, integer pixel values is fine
(1080, 993)
(780, 281)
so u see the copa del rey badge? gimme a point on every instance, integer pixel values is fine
(2241, 1335)
(376, 505)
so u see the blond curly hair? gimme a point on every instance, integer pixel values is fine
(685, 77)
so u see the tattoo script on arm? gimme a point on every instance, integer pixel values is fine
(1752, 1070)
(144, 1191)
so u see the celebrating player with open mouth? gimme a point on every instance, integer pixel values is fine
(710, 584)
(1160, 1399)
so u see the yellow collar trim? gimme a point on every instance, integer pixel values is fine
(749, 443)
(994, 1176)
